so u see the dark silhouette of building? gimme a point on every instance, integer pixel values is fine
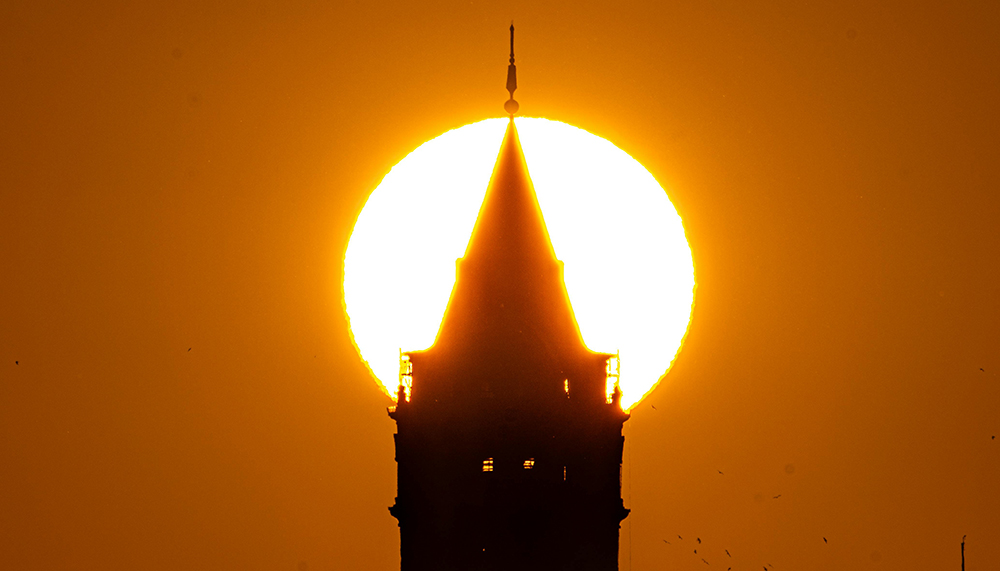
(509, 441)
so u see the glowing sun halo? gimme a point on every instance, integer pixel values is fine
(628, 266)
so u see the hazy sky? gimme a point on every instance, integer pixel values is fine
(183, 176)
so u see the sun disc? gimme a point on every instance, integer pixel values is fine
(628, 267)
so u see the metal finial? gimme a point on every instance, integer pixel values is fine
(511, 106)
(512, 41)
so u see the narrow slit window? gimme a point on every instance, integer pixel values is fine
(566, 387)
(488, 465)
(529, 464)
(564, 473)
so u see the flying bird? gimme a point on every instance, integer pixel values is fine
(719, 471)
(189, 349)
(778, 496)
(17, 362)
(824, 540)
(696, 551)
(667, 542)
(654, 408)
(727, 553)
(699, 539)
(981, 369)
(679, 537)
(703, 559)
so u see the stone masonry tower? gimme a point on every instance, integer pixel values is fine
(509, 430)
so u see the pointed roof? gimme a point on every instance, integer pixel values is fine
(509, 311)
(510, 229)
(509, 333)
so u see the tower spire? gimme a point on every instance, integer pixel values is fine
(511, 106)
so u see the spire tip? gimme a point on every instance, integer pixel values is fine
(511, 106)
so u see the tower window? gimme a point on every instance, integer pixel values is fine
(613, 370)
(529, 463)
(488, 465)
(566, 387)
(405, 376)
(564, 473)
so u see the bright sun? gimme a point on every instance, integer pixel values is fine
(628, 266)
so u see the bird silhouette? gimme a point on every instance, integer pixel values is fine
(189, 349)
(719, 471)
(824, 540)
(696, 551)
(17, 362)
(778, 496)
(679, 537)
(667, 542)
(699, 539)
(654, 408)
(981, 369)
(727, 552)
(706, 562)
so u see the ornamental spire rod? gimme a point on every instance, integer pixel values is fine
(511, 106)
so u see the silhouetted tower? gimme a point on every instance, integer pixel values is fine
(509, 430)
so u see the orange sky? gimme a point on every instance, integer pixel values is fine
(186, 176)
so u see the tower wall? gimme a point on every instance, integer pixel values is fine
(561, 513)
